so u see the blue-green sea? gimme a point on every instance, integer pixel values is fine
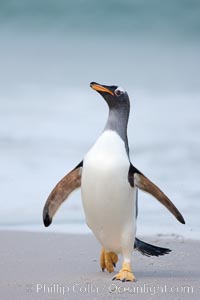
(49, 117)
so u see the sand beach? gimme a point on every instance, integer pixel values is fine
(62, 266)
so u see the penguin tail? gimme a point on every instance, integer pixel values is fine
(150, 250)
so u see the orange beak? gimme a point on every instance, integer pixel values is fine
(100, 88)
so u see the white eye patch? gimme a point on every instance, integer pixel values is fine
(119, 91)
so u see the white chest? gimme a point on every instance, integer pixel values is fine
(108, 198)
(108, 150)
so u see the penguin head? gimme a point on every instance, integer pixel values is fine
(115, 96)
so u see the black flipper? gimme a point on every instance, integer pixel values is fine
(150, 250)
(137, 179)
(61, 192)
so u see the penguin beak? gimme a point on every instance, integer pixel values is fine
(100, 88)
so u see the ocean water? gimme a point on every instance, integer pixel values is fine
(49, 53)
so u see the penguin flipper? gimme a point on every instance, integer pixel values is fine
(150, 250)
(60, 193)
(136, 178)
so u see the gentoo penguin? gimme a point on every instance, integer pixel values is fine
(109, 184)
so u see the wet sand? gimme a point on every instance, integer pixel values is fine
(58, 266)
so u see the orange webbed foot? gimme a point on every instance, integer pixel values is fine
(108, 260)
(125, 274)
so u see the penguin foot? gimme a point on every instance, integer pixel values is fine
(108, 260)
(125, 274)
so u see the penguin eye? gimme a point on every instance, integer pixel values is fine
(118, 92)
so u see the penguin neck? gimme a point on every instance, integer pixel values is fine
(118, 122)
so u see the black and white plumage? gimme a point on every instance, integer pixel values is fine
(109, 184)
